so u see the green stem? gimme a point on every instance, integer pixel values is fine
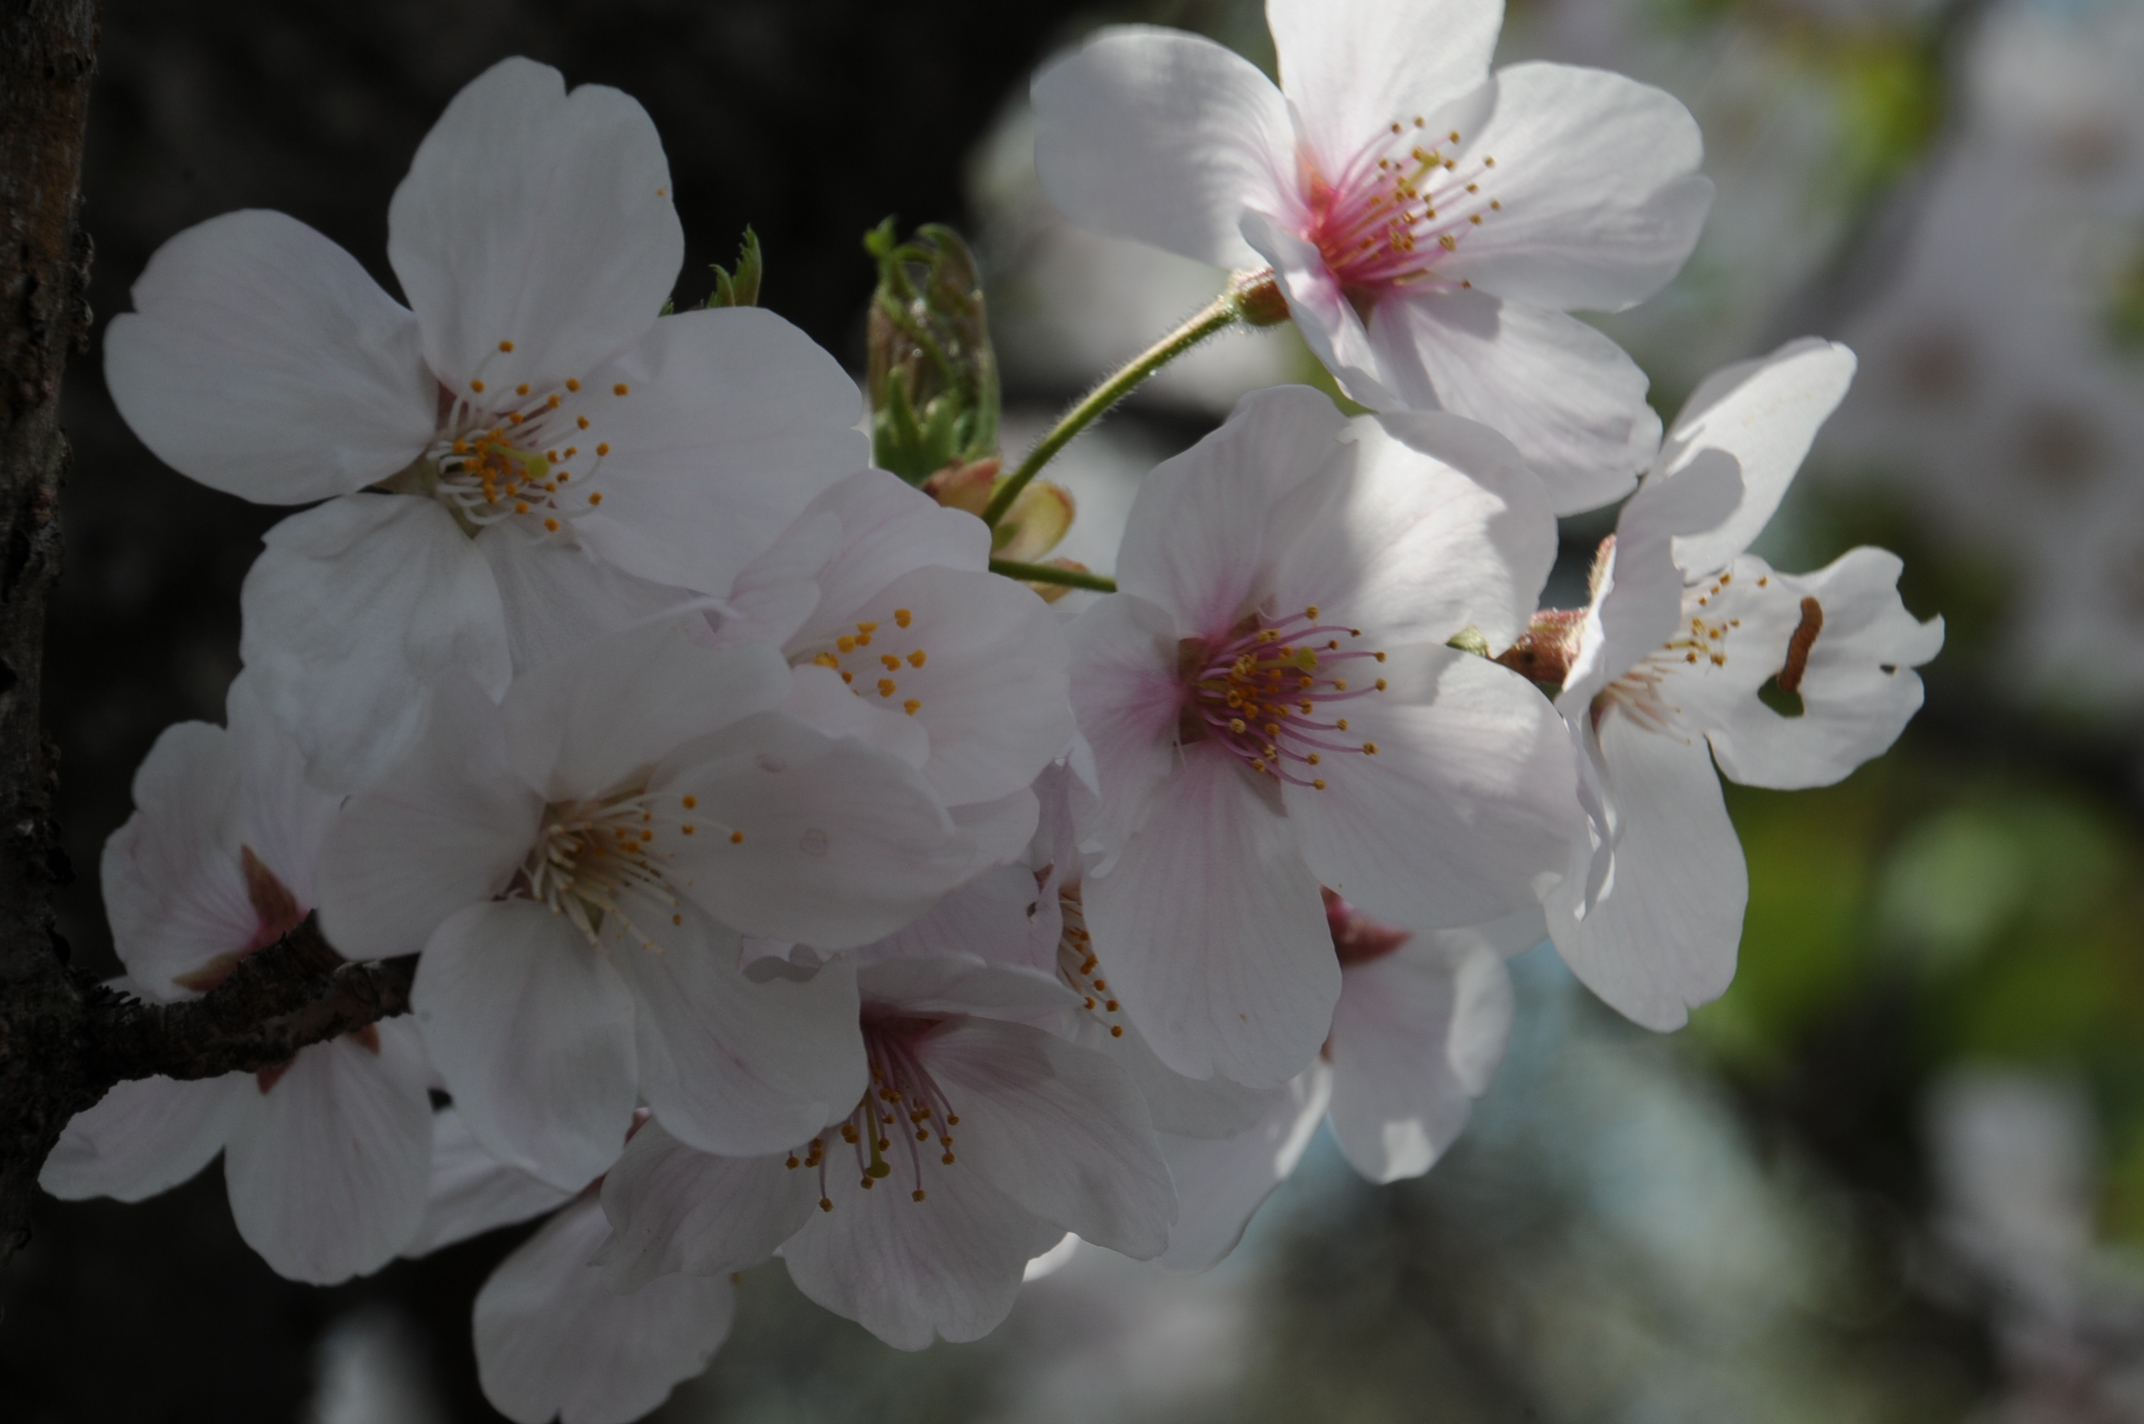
(1222, 314)
(1051, 573)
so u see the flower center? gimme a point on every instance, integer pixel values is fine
(540, 453)
(903, 1104)
(850, 654)
(1076, 962)
(605, 859)
(1396, 207)
(1268, 693)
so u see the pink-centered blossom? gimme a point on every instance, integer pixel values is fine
(578, 864)
(1684, 633)
(325, 1156)
(1272, 707)
(562, 459)
(1431, 224)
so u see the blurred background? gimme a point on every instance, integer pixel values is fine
(1896, 1174)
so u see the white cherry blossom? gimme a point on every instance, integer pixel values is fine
(983, 1138)
(882, 602)
(1272, 706)
(577, 865)
(1430, 224)
(1684, 632)
(528, 396)
(1419, 1030)
(325, 1156)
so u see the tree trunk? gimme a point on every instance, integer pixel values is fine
(48, 51)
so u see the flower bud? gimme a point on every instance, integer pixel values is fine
(933, 375)
(1258, 297)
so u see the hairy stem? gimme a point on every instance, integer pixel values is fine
(1224, 311)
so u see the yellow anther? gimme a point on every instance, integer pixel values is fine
(522, 389)
(1318, 785)
(1369, 748)
(1341, 724)
(1116, 1030)
(917, 1194)
(885, 687)
(916, 658)
(596, 498)
(602, 450)
(551, 524)
(506, 346)
(572, 450)
(736, 837)
(581, 421)
(947, 1159)
(572, 384)
(1311, 613)
(619, 389)
(826, 660)
(688, 828)
(867, 629)
(892, 663)
(1379, 656)
(461, 447)
(1447, 241)
(520, 508)
(846, 643)
(677, 919)
(1380, 684)
(825, 1205)
(477, 386)
(902, 617)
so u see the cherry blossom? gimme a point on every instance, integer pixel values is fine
(325, 1156)
(577, 865)
(1421, 1025)
(1272, 706)
(882, 602)
(553, 1341)
(528, 396)
(1430, 224)
(983, 1138)
(1684, 632)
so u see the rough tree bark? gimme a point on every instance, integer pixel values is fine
(48, 51)
(63, 1041)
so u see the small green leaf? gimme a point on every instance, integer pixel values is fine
(740, 288)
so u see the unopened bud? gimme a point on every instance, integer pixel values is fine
(965, 486)
(1036, 523)
(933, 374)
(1258, 298)
(1544, 653)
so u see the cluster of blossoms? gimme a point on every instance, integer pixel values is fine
(786, 881)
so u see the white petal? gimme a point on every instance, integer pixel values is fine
(822, 701)
(674, 1209)
(143, 1137)
(1658, 936)
(533, 1034)
(1467, 806)
(733, 420)
(1199, 537)
(588, 725)
(447, 828)
(1188, 1107)
(1435, 524)
(280, 815)
(1637, 607)
(172, 877)
(328, 1164)
(1322, 310)
(351, 690)
(1567, 396)
(1162, 137)
(734, 1066)
(534, 217)
(947, 983)
(472, 1191)
(991, 685)
(903, 1269)
(261, 360)
(1417, 1034)
(840, 844)
(999, 917)
(552, 1341)
(1765, 413)
(1858, 689)
(1353, 67)
(1126, 695)
(999, 830)
(1597, 177)
(1211, 931)
(1058, 1128)
(1221, 1183)
(559, 597)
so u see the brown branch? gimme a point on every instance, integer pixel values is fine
(294, 993)
(48, 52)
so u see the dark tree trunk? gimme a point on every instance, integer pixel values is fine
(48, 51)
